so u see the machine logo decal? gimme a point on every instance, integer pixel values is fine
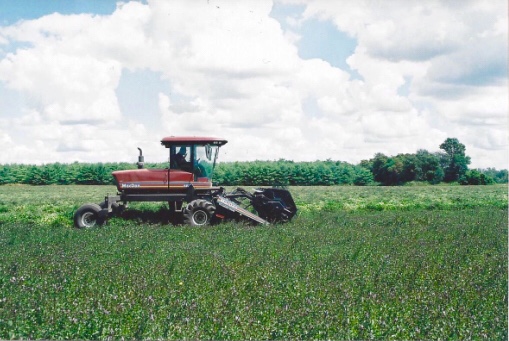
(130, 185)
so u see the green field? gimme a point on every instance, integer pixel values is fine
(399, 263)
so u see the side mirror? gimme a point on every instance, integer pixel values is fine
(208, 151)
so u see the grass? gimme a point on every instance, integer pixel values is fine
(400, 198)
(432, 265)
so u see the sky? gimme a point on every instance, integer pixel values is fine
(303, 80)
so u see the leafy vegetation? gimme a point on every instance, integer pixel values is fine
(403, 168)
(227, 174)
(282, 172)
(418, 262)
(448, 166)
(455, 161)
(425, 167)
(387, 171)
(499, 176)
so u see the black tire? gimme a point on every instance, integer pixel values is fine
(198, 212)
(87, 216)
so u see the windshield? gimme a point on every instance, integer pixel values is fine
(205, 159)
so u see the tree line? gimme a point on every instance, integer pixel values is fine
(449, 165)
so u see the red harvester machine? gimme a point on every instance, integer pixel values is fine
(187, 187)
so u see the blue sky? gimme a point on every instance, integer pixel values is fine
(15, 10)
(91, 80)
(319, 38)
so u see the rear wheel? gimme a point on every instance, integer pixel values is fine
(88, 216)
(198, 212)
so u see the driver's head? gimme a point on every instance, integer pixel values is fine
(182, 151)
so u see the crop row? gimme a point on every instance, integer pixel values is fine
(55, 205)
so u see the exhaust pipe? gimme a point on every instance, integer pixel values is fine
(141, 159)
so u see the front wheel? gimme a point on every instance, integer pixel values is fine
(198, 212)
(88, 216)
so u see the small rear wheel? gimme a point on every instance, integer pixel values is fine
(88, 216)
(198, 212)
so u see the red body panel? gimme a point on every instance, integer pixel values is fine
(156, 180)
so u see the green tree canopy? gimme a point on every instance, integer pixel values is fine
(454, 161)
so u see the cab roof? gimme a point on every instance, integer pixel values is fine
(199, 140)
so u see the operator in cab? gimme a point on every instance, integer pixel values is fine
(180, 157)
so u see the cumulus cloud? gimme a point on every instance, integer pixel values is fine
(453, 55)
(234, 71)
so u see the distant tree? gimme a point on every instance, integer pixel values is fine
(499, 176)
(388, 171)
(363, 177)
(394, 170)
(366, 164)
(410, 167)
(378, 167)
(428, 167)
(475, 177)
(454, 161)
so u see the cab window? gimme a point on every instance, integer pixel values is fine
(180, 157)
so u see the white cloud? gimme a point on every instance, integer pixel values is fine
(454, 56)
(232, 71)
(68, 87)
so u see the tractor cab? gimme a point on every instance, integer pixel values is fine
(191, 163)
(195, 155)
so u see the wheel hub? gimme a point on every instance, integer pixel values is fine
(89, 219)
(200, 217)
